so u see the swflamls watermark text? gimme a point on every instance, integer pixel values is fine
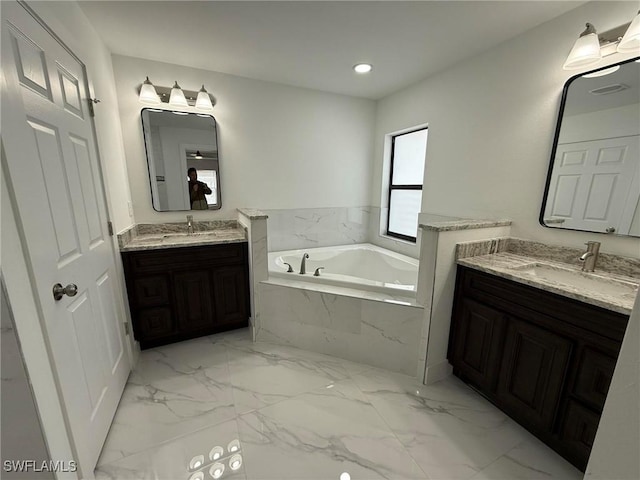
(59, 466)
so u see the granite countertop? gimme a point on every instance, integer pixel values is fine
(440, 223)
(607, 290)
(158, 240)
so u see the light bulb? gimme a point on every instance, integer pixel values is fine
(203, 102)
(177, 98)
(148, 93)
(586, 50)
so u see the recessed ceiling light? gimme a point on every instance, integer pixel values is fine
(362, 68)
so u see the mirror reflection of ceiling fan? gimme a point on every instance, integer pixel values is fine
(202, 155)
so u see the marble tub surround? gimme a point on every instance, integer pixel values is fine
(291, 229)
(171, 235)
(442, 223)
(613, 292)
(383, 334)
(255, 223)
(344, 291)
(304, 415)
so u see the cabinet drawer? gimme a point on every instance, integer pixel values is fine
(151, 291)
(154, 323)
(525, 300)
(595, 371)
(160, 260)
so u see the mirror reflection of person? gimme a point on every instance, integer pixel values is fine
(197, 191)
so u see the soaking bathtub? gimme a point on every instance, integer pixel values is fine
(362, 266)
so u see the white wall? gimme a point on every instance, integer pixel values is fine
(72, 26)
(610, 123)
(280, 146)
(492, 120)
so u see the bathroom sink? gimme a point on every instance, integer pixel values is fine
(584, 281)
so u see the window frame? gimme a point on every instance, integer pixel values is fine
(393, 187)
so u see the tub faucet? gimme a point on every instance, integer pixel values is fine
(590, 257)
(189, 224)
(303, 264)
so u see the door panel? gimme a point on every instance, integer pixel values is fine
(114, 344)
(52, 168)
(592, 184)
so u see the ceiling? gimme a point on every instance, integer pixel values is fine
(314, 44)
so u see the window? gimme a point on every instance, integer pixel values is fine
(408, 151)
(209, 177)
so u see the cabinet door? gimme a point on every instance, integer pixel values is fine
(230, 290)
(476, 347)
(532, 373)
(194, 305)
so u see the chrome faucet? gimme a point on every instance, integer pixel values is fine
(303, 264)
(590, 257)
(189, 224)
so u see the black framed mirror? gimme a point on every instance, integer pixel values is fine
(593, 183)
(182, 159)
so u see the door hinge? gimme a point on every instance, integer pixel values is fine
(110, 227)
(126, 328)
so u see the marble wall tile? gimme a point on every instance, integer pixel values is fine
(380, 334)
(292, 229)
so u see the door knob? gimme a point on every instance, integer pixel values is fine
(59, 291)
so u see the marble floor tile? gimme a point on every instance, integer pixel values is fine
(320, 435)
(264, 374)
(530, 460)
(180, 458)
(170, 393)
(305, 415)
(450, 430)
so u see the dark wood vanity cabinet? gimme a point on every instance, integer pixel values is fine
(180, 293)
(544, 359)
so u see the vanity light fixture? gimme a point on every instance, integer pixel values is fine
(590, 47)
(631, 40)
(203, 102)
(148, 93)
(363, 67)
(586, 50)
(175, 96)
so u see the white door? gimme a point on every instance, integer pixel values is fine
(592, 187)
(54, 173)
